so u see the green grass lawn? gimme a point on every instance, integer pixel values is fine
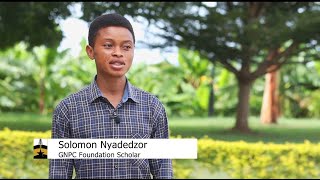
(25, 121)
(287, 130)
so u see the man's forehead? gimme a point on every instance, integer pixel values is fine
(112, 32)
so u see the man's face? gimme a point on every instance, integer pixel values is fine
(113, 51)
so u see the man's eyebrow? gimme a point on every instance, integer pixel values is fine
(125, 41)
(108, 39)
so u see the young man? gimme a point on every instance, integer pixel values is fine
(110, 107)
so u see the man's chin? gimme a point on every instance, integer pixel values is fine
(116, 75)
(112, 74)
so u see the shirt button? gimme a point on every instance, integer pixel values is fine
(115, 166)
(116, 137)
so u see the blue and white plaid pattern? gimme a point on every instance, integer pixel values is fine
(86, 114)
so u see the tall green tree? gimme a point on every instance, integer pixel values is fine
(32, 22)
(249, 39)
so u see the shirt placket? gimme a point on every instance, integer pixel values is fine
(116, 134)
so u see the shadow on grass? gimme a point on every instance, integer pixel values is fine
(266, 135)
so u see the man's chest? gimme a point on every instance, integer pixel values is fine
(102, 122)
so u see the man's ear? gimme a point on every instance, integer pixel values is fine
(90, 52)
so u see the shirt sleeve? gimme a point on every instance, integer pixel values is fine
(60, 168)
(160, 168)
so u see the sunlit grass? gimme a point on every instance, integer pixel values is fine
(25, 121)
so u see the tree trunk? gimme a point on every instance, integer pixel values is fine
(42, 96)
(270, 104)
(211, 101)
(243, 106)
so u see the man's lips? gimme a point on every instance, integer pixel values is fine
(117, 64)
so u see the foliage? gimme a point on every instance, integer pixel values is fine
(259, 160)
(180, 171)
(26, 72)
(314, 105)
(16, 80)
(300, 90)
(16, 151)
(187, 90)
(174, 94)
(31, 22)
(70, 74)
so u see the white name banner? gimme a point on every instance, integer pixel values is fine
(122, 148)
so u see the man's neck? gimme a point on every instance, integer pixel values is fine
(112, 88)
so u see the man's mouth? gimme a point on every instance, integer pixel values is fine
(116, 64)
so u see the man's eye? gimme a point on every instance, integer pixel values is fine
(127, 47)
(108, 45)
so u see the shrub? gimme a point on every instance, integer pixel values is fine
(259, 160)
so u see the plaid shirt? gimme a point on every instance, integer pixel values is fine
(86, 114)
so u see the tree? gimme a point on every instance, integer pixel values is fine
(32, 22)
(234, 34)
(270, 110)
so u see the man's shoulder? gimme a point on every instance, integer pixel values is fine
(145, 96)
(138, 92)
(150, 100)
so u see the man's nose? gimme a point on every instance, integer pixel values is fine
(117, 52)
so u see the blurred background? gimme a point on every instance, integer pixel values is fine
(242, 77)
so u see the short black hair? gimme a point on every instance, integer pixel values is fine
(106, 20)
